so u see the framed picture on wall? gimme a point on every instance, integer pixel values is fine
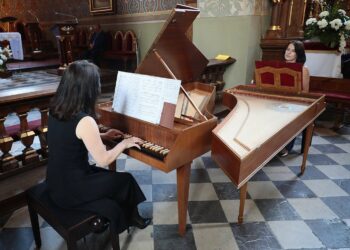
(98, 7)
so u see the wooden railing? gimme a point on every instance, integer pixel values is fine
(15, 176)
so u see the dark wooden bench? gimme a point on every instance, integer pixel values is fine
(72, 225)
(337, 92)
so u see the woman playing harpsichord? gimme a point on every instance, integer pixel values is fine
(72, 133)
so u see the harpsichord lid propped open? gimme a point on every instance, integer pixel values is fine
(182, 57)
(173, 55)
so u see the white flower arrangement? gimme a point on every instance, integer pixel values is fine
(322, 24)
(5, 54)
(324, 14)
(347, 25)
(310, 21)
(336, 23)
(332, 26)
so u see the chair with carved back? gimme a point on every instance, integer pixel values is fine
(75, 41)
(129, 42)
(122, 54)
(117, 44)
(35, 35)
(89, 34)
(82, 40)
(20, 28)
(108, 40)
(279, 78)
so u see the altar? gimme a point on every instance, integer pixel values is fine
(324, 63)
(15, 41)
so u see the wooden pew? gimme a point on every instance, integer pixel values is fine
(337, 92)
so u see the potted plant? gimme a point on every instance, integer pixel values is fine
(331, 27)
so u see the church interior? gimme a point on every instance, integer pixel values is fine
(214, 167)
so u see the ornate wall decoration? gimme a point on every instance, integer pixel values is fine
(78, 8)
(43, 9)
(143, 6)
(216, 8)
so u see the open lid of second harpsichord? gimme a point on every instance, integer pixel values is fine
(172, 45)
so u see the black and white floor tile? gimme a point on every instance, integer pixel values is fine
(282, 211)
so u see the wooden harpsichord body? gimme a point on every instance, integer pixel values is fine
(188, 138)
(260, 125)
(185, 141)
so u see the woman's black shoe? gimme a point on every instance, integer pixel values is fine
(139, 222)
(99, 225)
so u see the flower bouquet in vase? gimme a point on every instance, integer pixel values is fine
(331, 27)
(5, 54)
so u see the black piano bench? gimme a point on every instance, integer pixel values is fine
(72, 225)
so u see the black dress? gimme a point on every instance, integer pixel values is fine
(74, 184)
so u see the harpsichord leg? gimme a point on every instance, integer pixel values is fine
(183, 185)
(307, 143)
(242, 197)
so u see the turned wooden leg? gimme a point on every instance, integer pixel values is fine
(183, 185)
(35, 225)
(43, 132)
(340, 115)
(242, 198)
(307, 143)
(7, 161)
(27, 136)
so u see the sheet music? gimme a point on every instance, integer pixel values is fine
(143, 96)
(15, 43)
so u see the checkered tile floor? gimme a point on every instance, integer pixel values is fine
(282, 210)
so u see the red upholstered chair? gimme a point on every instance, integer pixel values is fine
(279, 75)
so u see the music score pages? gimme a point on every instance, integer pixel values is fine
(143, 96)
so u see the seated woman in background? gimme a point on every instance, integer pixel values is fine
(72, 132)
(295, 53)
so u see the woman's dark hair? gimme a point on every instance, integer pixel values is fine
(299, 50)
(77, 92)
